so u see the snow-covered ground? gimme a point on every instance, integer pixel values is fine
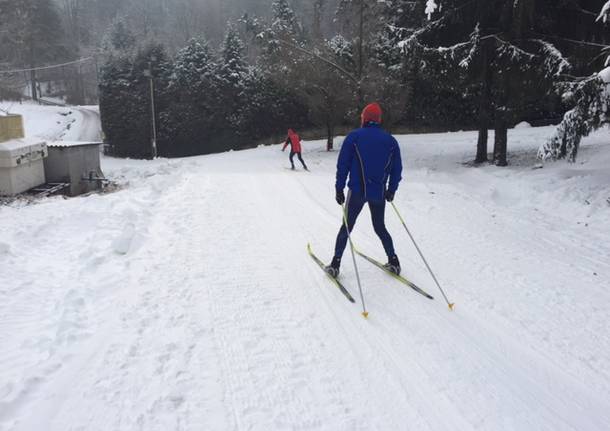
(187, 301)
(57, 123)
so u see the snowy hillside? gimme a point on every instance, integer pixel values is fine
(187, 300)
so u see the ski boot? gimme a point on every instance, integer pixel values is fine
(393, 265)
(333, 268)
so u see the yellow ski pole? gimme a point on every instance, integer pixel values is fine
(365, 313)
(450, 304)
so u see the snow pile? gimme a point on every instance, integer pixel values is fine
(186, 300)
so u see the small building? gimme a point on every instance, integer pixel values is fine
(77, 163)
(21, 159)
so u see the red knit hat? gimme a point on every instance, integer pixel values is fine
(371, 113)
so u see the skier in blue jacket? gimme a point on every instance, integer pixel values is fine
(371, 158)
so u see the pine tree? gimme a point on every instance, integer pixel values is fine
(194, 97)
(270, 109)
(125, 100)
(115, 101)
(285, 24)
(119, 38)
(590, 98)
(232, 76)
(281, 36)
(233, 66)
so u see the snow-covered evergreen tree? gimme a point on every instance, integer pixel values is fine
(125, 99)
(280, 36)
(195, 67)
(195, 96)
(118, 39)
(285, 22)
(590, 99)
(232, 74)
(233, 66)
(115, 98)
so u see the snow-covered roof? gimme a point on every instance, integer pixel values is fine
(16, 144)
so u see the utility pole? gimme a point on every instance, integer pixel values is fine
(148, 73)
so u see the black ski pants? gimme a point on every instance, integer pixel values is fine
(292, 153)
(355, 203)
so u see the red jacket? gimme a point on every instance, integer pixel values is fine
(294, 141)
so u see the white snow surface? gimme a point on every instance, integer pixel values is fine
(57, 123)
(187, 301)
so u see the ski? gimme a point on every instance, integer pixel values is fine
(337, 282)
(397, 277)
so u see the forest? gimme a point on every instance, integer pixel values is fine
(204, 76)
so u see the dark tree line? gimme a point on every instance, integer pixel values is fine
(473, 64)
(481, 64)
(205, 101)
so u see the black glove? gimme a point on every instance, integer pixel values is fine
(340, 197)
(389, 196)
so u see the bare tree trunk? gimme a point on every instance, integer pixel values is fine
(500, 141)
(330, 135)
(482, 143)
(563, 149)
(484, 118)
(33, 84)
(485, 110)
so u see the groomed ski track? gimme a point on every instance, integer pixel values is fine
(187, 301)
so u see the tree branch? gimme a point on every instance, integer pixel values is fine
(325, 60)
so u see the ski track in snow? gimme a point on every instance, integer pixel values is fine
(187, 300)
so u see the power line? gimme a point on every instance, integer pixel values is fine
(54, 66)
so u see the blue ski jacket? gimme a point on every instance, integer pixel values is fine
(371, 157)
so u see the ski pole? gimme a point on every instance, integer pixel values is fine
(450, 304)
(365, 313)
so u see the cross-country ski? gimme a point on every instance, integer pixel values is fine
(400, 278)
(334, 280)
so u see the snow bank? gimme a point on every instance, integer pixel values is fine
(523, 125)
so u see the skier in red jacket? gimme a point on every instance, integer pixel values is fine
(295, 147)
